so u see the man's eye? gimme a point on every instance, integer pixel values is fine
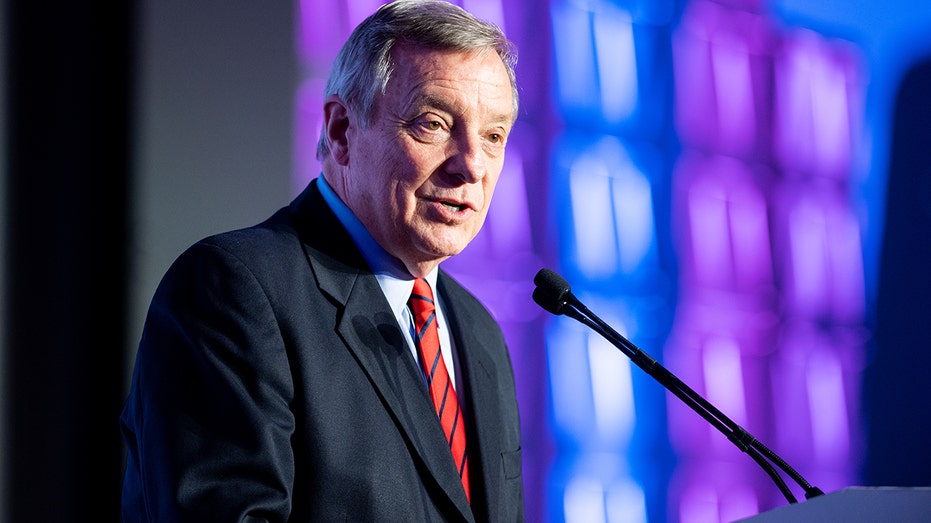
(429, 130)
(495, 138)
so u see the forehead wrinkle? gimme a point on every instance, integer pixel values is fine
(423, 63)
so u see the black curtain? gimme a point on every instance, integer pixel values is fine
(69, 98)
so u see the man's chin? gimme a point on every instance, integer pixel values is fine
(448, 242)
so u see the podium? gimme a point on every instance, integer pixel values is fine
(855, 505)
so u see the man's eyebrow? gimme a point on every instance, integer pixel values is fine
(429, 100)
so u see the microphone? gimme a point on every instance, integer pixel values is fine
(554, 294)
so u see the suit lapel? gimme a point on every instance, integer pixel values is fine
(370, 331)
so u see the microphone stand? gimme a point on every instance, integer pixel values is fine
(760, 453)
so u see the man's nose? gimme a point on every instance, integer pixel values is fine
(467, 159)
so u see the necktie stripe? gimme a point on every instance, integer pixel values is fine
(436, 362)
(452, 432)
(441, 390)
(442, 406)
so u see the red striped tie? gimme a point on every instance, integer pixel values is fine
(441, 390)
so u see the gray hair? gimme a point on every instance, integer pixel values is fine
(363, 66)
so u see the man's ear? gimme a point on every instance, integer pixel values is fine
(336, 126)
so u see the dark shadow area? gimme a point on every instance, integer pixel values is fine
(66, 268)
(897, 394)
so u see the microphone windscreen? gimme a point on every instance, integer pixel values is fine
(551, 291)
(551, 282)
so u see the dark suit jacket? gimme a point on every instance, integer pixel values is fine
(272, 383)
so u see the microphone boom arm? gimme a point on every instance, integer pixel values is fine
(559, 300)
(734, 432)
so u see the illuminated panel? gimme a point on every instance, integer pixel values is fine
(822, 266)
(723, 378)
(608, 213)
(588, 500)
(594, 413)
(574, 56)
(816, 379)
(816, 93)
(827, 403)
(716, 495)
(592, 221)
(722, 354)
(617, 65)
(593, 401)
(606, 66)
(612, 392)
(722, 216)
(722, 58)
(570, 383)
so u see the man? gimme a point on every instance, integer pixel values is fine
(278, 377)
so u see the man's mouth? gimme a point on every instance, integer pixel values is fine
(452, 206)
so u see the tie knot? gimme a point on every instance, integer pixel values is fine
(422, 297)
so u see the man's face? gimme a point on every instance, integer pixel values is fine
(422, 174)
